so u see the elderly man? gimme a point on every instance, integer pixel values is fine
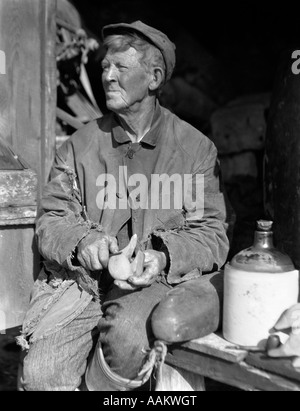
(89, 212)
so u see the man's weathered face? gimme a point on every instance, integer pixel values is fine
(124, 79)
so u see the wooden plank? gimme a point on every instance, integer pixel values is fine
(20, 39)
(18, 270)
(280, 366)
(28, 89)
(18, 188)
(216, 346)
(17, 215)
(239, 375)
(48, 86)
(72, 121)
(8, 160)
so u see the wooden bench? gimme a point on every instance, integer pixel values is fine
(215, 358)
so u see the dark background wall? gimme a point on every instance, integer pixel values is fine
(245, 37)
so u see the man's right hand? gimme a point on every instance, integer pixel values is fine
(93, 250)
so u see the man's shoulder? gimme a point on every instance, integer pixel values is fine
(91, 133)
(99, 127)
(187, 136)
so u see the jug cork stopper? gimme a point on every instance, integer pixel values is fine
(264, 225)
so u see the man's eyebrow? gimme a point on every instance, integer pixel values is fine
(104, 62)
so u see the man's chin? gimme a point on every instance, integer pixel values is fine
(112, 106)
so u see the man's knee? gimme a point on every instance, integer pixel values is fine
(125, 328)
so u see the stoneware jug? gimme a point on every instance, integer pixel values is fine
(259, 284)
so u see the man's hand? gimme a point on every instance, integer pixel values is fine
(289, 321)
(154, 263)
(93, 250)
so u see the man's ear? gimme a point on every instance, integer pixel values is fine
(158, 77)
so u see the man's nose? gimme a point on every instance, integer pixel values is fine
(109, 74)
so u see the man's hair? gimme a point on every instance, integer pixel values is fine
(151, 56)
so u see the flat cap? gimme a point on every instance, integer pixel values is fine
(155, 37)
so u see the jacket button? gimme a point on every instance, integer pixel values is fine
(119, 195)
(130, 154)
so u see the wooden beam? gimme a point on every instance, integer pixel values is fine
(8, 159)
(72, 121)
(18, 188)
(216, 346)
(48, 85)
(18, 216)
(28, 89)
(18, 270)
(239, 375)
(279, 366)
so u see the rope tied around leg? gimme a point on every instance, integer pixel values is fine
(154, 363)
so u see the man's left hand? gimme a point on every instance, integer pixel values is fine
(154, 262)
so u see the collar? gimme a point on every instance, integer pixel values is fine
(149, 138)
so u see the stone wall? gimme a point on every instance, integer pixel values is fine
(238, 130)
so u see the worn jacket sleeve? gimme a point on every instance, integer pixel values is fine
(61, 223)
(201, 245)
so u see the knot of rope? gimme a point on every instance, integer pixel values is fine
(154, 363)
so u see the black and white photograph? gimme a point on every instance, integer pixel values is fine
(149, 198)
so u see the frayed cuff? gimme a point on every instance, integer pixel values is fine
(22, 342)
